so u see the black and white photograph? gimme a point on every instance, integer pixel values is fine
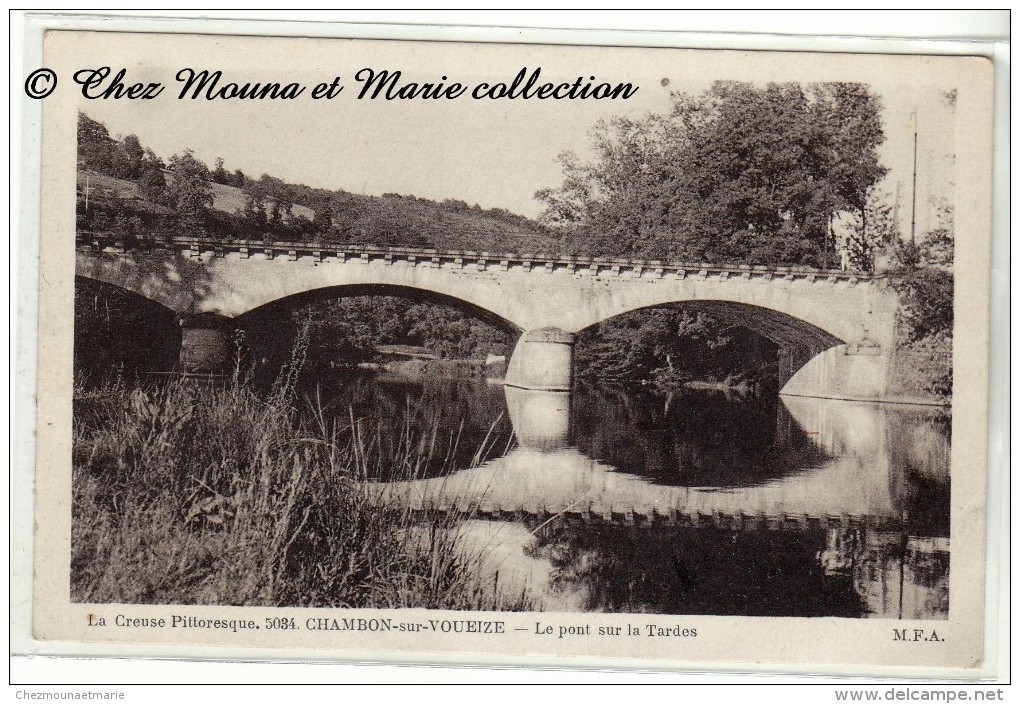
(516, 348)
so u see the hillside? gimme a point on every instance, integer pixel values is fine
(230, 200)
(226, 199)
(406, 220)
(390, 219)
(126, 189)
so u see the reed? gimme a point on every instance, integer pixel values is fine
(199, 493)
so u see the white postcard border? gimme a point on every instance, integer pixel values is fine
(22, 471)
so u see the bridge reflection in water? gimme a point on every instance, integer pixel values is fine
(822, 508)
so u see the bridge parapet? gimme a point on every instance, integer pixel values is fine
(468, 259)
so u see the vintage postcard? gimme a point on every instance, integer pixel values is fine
(630, 356)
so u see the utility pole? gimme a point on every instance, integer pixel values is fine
(896, 233)
(913, 196)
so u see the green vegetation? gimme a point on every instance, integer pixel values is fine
(344, 331)
(754, 175)
(205, 494)
(666, 348)
(740, 173)
(348, 331)
(128, 190)
(924, 279)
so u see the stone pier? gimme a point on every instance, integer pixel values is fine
(207, 343)
(542, 361)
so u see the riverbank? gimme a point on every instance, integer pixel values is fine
(416, 369)
(209, 493)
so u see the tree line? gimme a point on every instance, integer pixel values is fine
(738, 173)
(176, 197)
(343, 332)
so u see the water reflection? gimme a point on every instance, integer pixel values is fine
(815, 458)
(803, 507)
(835, 572)
(540, 419)
(696, 439)
(458, 421)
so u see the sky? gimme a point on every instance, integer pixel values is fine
(496, 153)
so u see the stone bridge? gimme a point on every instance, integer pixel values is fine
(835, 330)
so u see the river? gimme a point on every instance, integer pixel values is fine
(690, 503)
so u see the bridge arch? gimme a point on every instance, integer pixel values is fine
(781, 315)
(797, 340)
(415, 295)
(232, 286)
(119, 328)
(779, 327)
(139, 299)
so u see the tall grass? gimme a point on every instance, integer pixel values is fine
(216, 494)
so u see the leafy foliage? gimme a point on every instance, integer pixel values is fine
(927, 303)
(95, 146)
(738, 173)
(231, 205)
(347, 331)
(670, 346)
(204, 494)
(868, 229)
(925, 282)
(151, 182)
(188, 191)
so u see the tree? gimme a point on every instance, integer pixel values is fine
(188, 190)
(670, 346)
(450, 333)
(868, 230)
(738, 173)
(151, 182)
(937, 247)
(95, 146)
(126, 158)
(255, 203)
(348, 213)
(269, 200)
(569, 205)
(925, 279)
(925, 283)
(322, 220)
(219, 174)
(927, 303)
(849, 114)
